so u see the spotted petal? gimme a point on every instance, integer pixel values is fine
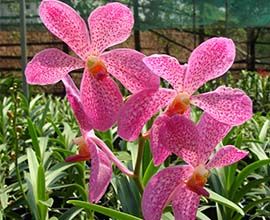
(160, 190)
(168, 68)
(158, 143)
(226, 156)
(139, 108)
(208, 61)
(109, 25)
(65, 23)
(101, 174)
(101, 100)
(212, 132)
(185, 203)
(182, 137)
(50, 66)
(126, 65)
(73, 97)
(227, 105)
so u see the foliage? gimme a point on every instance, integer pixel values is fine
(44, 129)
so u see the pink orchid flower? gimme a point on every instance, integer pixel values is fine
(91, 147)
(183, 185)
(209, 60)
(109, 25)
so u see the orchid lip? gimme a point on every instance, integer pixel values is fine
(96, 67)
(179, 105)
(198, 179)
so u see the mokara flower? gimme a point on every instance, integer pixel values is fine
(183, 185)
(91, 148)
(209, 60)
(109, 25)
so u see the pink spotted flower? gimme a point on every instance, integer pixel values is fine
(183, 185)
(91, 148)
(109, 25)
(209, 60)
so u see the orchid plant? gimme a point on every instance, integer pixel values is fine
(98, 104)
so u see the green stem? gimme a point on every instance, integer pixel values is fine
(17, 144)
(137, 169)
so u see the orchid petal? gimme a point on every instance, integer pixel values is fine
(50, 66)
(168, 68)
(101, 174)
(109, 25)
(182, 137)
(226, 156)
(65, 23)
(160, 190)
(73, 97)
(212, 132)
(209, 60)
(157, 143)
(185, 204)
(101, 100)
(139, 108)
(227, 105)
(126, 65)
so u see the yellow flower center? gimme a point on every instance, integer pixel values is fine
(198, 179)
(179, 105)
(96, 67)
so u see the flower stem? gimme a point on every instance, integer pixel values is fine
(137, 169)
(14, 125)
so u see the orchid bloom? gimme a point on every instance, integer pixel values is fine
(183, 185)
(109, 25)
(91, 147)
(209, 60)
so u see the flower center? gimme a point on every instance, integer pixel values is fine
(179, 105)
(96, 67)
(198, 179)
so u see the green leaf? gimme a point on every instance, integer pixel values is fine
(201, 216)
(34, 136)
(70, 214)
(263, 132)
(247, 171)
(150, 171)
(33, 166)
(248, 187)
(103, 210)
(224, 201)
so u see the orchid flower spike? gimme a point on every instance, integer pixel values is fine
(209, 60)
(183, 185)
(91, 147)
(109, 25)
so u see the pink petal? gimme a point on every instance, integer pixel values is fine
(226, 156)
(168, 68)
(50, 66)
(110, 25)
(101, 100)
(212, 132)
(160, 190)
(73, 97)
(208, 61)
(182, 137)
(76, 158)
(158, 144)
(126, 65)
(185, 204)
(101, 174)
(227, 105)
(65, 23)
(139, 108)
